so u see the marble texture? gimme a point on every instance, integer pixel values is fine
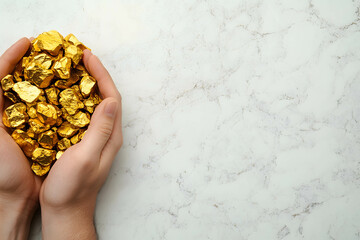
(241, 117)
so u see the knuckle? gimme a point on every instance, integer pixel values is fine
(105, 129)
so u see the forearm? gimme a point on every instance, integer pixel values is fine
(15, 219)
(75, 224)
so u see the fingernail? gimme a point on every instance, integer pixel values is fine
(87, 50)
(110, 109)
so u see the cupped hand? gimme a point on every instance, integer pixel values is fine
(19, 187)
(68, 194)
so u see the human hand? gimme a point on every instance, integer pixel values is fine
(19, 187)
(68, 194)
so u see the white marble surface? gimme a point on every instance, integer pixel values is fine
(241, 118)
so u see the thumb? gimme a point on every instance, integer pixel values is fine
(101, 126)
(1, 106)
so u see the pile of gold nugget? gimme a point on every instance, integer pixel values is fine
(53, 97)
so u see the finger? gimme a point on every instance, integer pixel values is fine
(86, 56)
(101, 127)
(1, 107)
(8, 62)
(97, 70)
(116, 139)
(12, 56)
(107, 89)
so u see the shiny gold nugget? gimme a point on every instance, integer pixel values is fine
(43, 156)
(7, 83)
(40, 170)
(28, 93)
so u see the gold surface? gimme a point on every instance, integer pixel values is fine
(31, 111)
(31, 133)
(42, 99)
(74, 53)
(59, 154)
(87, 85)
(91, 102)
(39, 76)
(80, 119)
(7, 83)
(78, 92)
(40, 170)
(62, 68)
(70, 101)
(67, 130)
(82, 70)
(15, 115)
(50, 41)
(63, 144)
(18, 72)
(11, 96)
(37, 126)
(52, 95)
(46, 113)
(71, 39)
(26, 91)
(43, 60)
(78, 137)
(27, 144)
(48, 139)
(43, 156)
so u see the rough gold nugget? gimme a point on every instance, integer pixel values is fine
(53, 97)
(7, 83)
(28, 93)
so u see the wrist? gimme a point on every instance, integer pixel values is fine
(64, 222)
(15, 217)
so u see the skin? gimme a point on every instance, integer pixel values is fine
(67, 196)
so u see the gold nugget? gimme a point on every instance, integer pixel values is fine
(62, 68)
(27, 144)
(71, 39)
(27, 92)
(43, 156)
(78, 137)
(80, 119)
(43, 60)
(11, 96)
(39, 76)
(59, 154)
(7, 83)
(40, 170)
(48, 139)
(87, 85)
(46, 113)
(63, 144)
(15, 116)
(37, 126)
(67, 130)
(31, 111)
(53, 97)
(50, 41)
(74, 53)
(70, 101)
